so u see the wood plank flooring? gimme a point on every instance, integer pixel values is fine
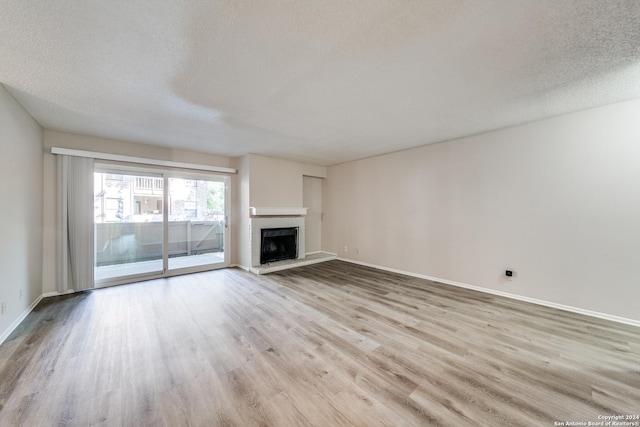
(331, 344)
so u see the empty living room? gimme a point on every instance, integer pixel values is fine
(320, 213)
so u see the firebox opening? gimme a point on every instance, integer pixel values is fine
(278, 244)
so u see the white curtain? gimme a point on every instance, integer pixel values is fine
(76, 216)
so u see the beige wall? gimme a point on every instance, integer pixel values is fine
(558, 201)
(268, 182)
(261, 181)
(274, 182)
(90, 143)
(102, 145)
(20, 210)
(277, 182)
(312, 199)
(242, 219)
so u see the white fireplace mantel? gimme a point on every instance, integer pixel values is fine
(278, 211)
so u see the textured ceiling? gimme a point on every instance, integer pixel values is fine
(320, 81)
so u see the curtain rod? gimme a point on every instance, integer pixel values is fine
(142, 160)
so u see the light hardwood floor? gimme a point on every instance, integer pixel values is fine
(330, 344)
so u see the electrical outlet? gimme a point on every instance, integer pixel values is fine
(345, 249)
(3, 307)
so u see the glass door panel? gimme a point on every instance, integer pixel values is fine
(128, 225)
(196, 226)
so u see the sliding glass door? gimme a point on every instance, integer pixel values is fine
(197, 222)
(154, 223)
(128, 225)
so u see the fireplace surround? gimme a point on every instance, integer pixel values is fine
(258, 223)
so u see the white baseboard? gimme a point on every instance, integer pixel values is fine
(19, 320)
(569, 308)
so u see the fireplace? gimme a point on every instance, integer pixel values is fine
(278, 244)
(270, 222)
(278, 234)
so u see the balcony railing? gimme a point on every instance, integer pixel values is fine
(125, 242)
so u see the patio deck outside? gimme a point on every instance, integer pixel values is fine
(143, 267)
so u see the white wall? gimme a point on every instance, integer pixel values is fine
(21, 183)
(558, 201)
